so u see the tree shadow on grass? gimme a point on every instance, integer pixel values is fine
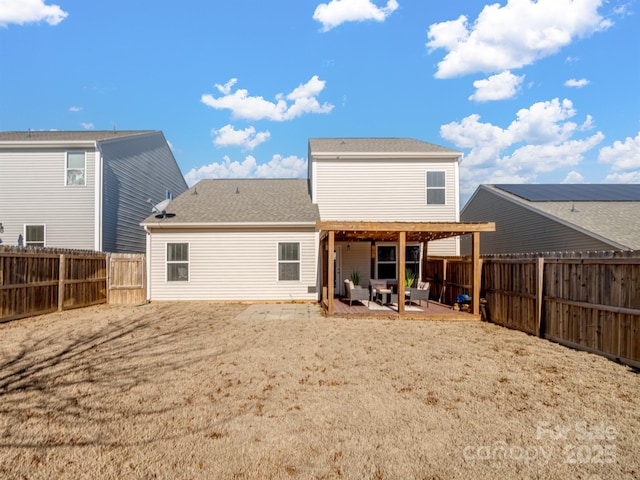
(65, 389)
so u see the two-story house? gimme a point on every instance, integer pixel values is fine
(84, 190)
(384, 203)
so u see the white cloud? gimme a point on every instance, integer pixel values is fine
(29, 11)
(573, 177)
(300, 101)
(497, 87)
(337, 12)
(248, 139)
(277, 167)
(73, 109)
(622, 155)
(539, 140)
(572, 82)
(513, 35)
(87, 126)
(628, 177)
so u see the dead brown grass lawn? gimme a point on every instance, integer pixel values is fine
(188, 391)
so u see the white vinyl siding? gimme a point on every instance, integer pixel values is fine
(386, 190)
(382, 190)
(234, 264)
(34, 192)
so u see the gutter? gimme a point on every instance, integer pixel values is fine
(197, 225)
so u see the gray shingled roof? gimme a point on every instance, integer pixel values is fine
(242, 201)
(615, 221)
(375, 145)
(68, 135)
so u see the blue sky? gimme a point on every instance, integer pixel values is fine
(530, 91)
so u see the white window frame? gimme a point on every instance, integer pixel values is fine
(28, 243)
(186, 262)
(290, 262)
(427, 187)
(67, 169)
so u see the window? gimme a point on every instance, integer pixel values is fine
(177, 262)
(288, 261)
(387, 265)
(76, 167)
(386, 262)
(436, 188)
(34, 235)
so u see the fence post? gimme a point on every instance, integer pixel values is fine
(108, 269)
(539, 295)
(61, 282)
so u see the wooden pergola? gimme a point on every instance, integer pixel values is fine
(401, 232)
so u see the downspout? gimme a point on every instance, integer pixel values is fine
(97, 215)
(148, 262)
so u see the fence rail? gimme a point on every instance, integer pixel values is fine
(38, 281)
(589, 301)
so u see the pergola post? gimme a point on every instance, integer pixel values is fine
(323, 275)
(330, 271)
(402, 243)
(476, 273)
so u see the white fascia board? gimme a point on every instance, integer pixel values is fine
(200, 225)
(382, 155)
(49, 143)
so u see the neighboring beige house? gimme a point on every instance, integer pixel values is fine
(84, 190)
(257, 239)
(556, 218)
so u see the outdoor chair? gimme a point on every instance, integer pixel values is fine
(355, 292)
(420, 293)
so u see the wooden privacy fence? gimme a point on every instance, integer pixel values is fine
(589, 301)
(38, 281)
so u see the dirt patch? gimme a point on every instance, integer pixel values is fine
(188, 390)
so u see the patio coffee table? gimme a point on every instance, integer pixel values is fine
(383, 291)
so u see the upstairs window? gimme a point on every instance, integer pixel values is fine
(436, 188)
(76, 169)
(177, 262)
(288, 261)
(34, 235)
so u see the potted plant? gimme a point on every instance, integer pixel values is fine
(409, 278)
(355, 277)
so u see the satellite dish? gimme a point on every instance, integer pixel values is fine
(161, 209)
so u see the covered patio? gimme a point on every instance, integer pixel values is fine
(401, 233)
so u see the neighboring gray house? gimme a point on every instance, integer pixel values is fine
(83, 190)
(258, 239)
(544, 217)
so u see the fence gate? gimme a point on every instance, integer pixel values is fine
(127, 282)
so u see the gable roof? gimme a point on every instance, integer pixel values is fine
(381, 146)
(68, 135)
(241, 201)
(612, 221)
